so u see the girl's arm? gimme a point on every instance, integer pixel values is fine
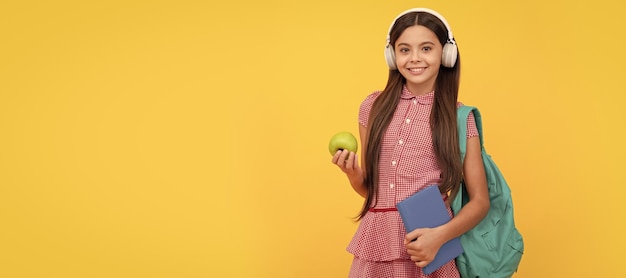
(476, 184)
(423, 251)
(348, 163)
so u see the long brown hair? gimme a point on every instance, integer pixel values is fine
(442, 118)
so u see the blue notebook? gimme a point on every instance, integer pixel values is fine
(425, 209)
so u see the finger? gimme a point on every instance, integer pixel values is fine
(350, 161)
(343, 157)
(422, 264)
(413, 235)
(336, 156)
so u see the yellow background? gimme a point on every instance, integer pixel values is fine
(189, 138)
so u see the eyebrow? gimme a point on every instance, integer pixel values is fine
(424, 43)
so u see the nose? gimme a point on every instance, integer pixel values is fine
(415, 56)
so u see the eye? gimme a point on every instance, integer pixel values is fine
(404, 49)
(427, 48)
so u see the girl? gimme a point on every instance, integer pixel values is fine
(409, 137)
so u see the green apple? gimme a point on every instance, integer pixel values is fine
(343, 141)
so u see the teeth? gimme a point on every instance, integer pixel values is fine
(416, 70)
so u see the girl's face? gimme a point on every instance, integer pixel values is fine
(418, 56)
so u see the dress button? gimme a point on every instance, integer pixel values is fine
(393, 163)
(414, 101)
(391, 185)
(408, 121)
(400, 142)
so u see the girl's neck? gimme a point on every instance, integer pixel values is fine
(421, 90)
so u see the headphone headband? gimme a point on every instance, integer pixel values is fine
(425, 10)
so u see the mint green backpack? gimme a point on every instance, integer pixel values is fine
(494, 247)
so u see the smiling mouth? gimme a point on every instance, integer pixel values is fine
(417, 70)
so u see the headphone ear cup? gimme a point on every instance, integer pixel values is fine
(449, 55)
(390, 57)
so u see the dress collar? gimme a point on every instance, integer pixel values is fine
(423, 99)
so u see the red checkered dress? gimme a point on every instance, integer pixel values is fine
(407, 164)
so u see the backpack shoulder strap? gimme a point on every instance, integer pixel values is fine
(461, 120)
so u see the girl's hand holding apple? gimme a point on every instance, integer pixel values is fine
(343, 147)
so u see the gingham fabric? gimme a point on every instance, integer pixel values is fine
(396, 269)
(407, 164)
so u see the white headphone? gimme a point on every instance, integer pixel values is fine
(450, 52)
